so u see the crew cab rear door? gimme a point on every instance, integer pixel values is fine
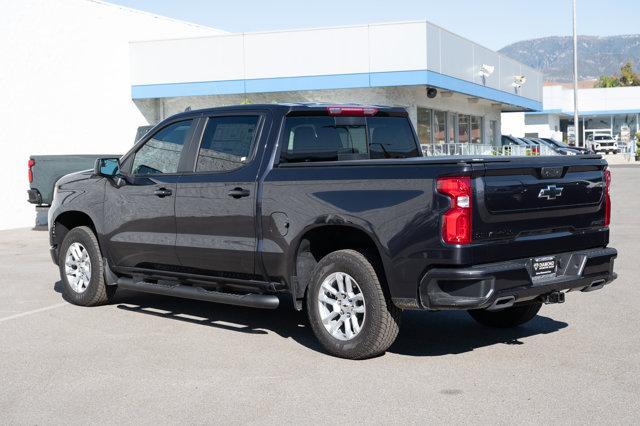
(216, 199)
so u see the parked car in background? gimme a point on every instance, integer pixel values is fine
(335, 209)
(555, 148)
(521, 146)
(563, 145)
(603, 144)
(535, 146)
(512, 140)
(44, 170)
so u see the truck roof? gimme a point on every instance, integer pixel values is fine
(286, 108)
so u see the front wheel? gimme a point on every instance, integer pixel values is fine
(506, 318)
(347, 309)
(82, 270)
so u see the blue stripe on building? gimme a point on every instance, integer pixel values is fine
(334, 81)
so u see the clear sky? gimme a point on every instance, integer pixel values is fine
(493, 23)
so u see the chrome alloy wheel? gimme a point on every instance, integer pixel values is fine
(341, 306)
(77, 267)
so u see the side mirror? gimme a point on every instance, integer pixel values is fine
(107, 167)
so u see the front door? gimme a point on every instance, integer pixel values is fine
(216, 203)
(140, 210)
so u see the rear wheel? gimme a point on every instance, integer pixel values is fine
(347, 308)
(82, 270)
(506, 318)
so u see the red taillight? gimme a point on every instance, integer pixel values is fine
(352, 111)
(607, 197)
(30, 164)
(456, 222)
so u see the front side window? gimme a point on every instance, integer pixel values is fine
(161, 153)
(227, 143)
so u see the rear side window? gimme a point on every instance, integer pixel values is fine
(227, 143)
(320, 138)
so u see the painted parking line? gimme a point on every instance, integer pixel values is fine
(35, 311)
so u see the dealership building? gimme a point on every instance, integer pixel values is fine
(93, 72)
(604, 111)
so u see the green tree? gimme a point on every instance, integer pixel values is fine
(608, 81)
(626, 78)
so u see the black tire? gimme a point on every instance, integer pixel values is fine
(97, 292)
(382, 319)
(506, 318)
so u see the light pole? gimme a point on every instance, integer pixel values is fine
(575, 79)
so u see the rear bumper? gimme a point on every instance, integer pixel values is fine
(34, 196)
(481, 286)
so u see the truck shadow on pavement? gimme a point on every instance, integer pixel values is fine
(421, 334)
(455, 332)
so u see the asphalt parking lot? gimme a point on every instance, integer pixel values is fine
(151, 359)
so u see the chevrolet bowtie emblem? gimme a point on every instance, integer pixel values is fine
(551, 192)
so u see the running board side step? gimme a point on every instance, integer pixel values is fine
(264, 301)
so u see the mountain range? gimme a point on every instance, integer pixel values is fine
(596, 55)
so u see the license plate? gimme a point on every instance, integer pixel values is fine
(544, 266)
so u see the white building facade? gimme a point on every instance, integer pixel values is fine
(612, 111)
(390, 64)
(85, 74)
(65, 84)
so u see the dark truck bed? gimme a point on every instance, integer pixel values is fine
(511, 221)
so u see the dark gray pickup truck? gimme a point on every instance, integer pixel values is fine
(334, 208)
(45, 170)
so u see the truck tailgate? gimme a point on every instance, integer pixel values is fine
(529, 197)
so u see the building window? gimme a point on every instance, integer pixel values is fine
(440, 126)
(424, 126)
(476, 129)
(452, 126)
(463, 128)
